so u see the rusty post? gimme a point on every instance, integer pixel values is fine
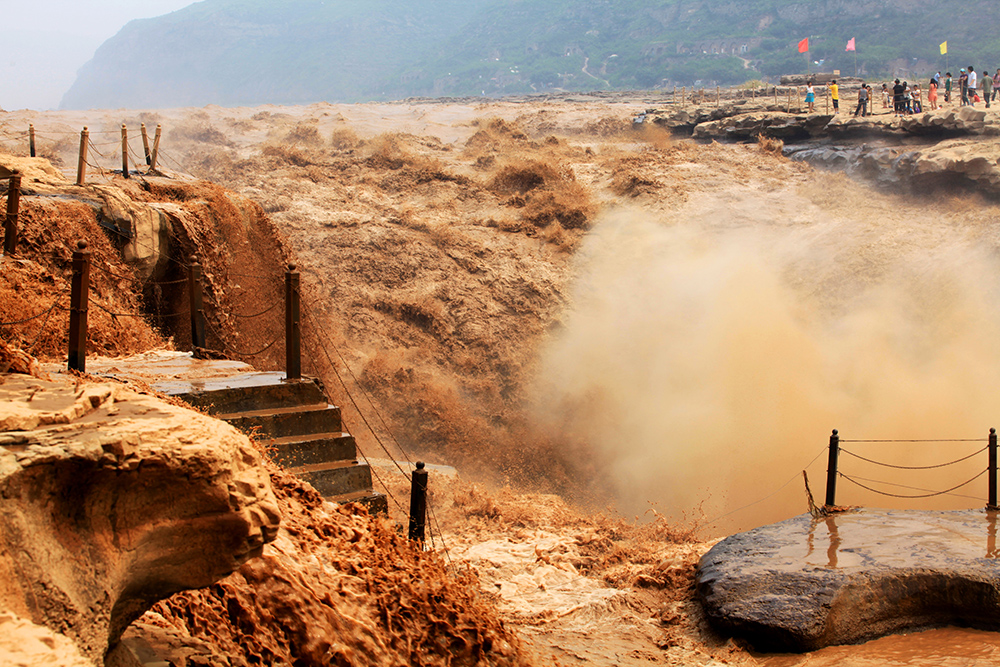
(10, 221)
(156, 148)
(293, 326)
(418, 503)
(81, 165)
(31, 139)
(991, 504)
(124, 151)
(145, 142)
(831, 470)
(78, 302)
(197, 307)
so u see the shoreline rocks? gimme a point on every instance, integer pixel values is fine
(802, 584)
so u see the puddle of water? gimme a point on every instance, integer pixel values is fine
(941, 647)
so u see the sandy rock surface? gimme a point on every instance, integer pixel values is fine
(111, 500)
(806, 583)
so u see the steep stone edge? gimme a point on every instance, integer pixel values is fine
(113, 500)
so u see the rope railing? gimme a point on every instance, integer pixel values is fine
(55, 304)
(241, 353)
(931, 467)
(929, 494)
(256, 315)
(835, 450)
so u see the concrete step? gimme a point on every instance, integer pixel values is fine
(286, 422)
(248, 391)
(377, 503)
(336, 478)
(302, 450)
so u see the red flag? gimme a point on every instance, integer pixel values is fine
(850, 45)
(804, 45)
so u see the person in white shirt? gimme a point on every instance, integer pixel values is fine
(972, 86)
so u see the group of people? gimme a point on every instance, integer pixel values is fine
(904, 98)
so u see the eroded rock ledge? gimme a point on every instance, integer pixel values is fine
(803, 584)
(111, 500)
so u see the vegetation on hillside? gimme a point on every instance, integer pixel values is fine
(244, 52)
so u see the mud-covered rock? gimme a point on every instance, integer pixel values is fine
(804, 583)
(111, 500)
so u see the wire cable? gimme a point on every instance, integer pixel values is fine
(773, 493)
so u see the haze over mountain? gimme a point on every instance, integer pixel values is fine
(246, 52)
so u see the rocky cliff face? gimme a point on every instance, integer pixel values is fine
(111, 500)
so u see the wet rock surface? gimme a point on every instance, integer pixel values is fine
(111, 500)
(803, 583)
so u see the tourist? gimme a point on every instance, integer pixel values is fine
(996, 83)
(972, 86)
(963, 87)
(885, 96)
(907, 98)
(862, 101)
(835, 95)
(918, 106)
(987, 87)
(947, 87)
(897, 97)
(932, 94)
(810, 97)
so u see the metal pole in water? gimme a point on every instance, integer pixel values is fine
(991, 504)
(78, 302)
(831, 470)
(418, 503)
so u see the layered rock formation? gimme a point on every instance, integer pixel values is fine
(802, 584)
(111, 500)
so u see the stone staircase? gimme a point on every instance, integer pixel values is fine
(293, 418)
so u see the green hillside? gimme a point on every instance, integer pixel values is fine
(241, 52)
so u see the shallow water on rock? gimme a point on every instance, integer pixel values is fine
(941, 647)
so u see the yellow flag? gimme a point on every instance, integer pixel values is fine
(944, 48)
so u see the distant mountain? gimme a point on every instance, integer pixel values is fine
(245, 52)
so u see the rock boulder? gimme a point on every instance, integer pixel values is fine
(802, 584)
(111, 500)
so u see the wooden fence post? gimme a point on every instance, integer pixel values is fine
(197, 307)
(293, 326)
(124, 151)
(156, 148)
(31, 140)
(81, 165)
(831, 470)
(79, 299)
(145, 143)
(418, 503)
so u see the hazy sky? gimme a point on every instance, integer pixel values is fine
(45, 42)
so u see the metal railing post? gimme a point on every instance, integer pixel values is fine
(831, 470)
(79, 292)
(81, 165)
(10, 221)
(418, 503)
(293, 325)
(991, 503)
(197, 306)
(31, 139)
